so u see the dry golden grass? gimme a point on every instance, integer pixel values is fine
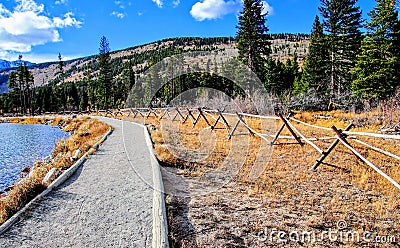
(286, 196)
(361, 174)
(27, 120)
(85, 132)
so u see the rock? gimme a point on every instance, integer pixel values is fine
(50, 176)
(48, 159)
(152, 127)
(76, 155)
(8, 189)
(24, 172)
(92, 151)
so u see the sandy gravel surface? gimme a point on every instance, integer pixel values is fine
(106, 203)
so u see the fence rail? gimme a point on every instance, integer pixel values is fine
(214, 117)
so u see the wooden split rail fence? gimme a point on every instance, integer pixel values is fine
(214, 117)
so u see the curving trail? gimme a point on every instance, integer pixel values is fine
(107, 203)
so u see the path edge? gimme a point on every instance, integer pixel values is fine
(160, 225)
(58, 181)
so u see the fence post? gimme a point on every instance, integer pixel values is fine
(359, 156)
(279, 131)
(187, 116)
(223, 118)
(328, 151)
(178, 113)
(291, 130)
(166, 112)
(244, 123)
(196, 120)
(202, 114)
(233, 130)
(190, 115)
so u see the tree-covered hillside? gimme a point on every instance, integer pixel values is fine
(74, 87)
(284, 46)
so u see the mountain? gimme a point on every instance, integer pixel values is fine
(4, 64)
(140, 57)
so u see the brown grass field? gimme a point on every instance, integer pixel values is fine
(85, 132)
(248, 211)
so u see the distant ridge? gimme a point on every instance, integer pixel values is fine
(4, 64)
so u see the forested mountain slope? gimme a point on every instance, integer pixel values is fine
(140, 57)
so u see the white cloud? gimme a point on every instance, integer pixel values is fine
(120, 4)
(267, 8)
(118, 14)
(68, 21)
(158, 2)
(28, 5)
(214, 9)
(175, 3)
(28, 26)
(58, 2)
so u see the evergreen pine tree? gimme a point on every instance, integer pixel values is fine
(131, 76)
(315, 73)
(150, 86)
(105, 74)
(292, 72)
(377, 69)
(74, 96)
(62, 78)
(21, 83)
(84, 99)
(342, 22)
(275, 81)
(253, 44)
(28, 83)
(91, 87)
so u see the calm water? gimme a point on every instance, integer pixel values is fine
(22, 145)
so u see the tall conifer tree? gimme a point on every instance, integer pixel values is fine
(62, 78)
(316, 67)
(342, 22)
(377, 69)
(253, 44)
(105, 74)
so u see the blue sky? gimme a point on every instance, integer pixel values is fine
(40, 29)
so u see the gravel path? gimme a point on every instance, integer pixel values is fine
(106, 203)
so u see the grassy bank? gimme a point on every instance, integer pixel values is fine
(85, 132)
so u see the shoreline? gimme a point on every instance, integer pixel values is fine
(26, 169)
(85, 133)
(36, 120)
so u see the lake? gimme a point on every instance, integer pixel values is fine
(21, 145)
